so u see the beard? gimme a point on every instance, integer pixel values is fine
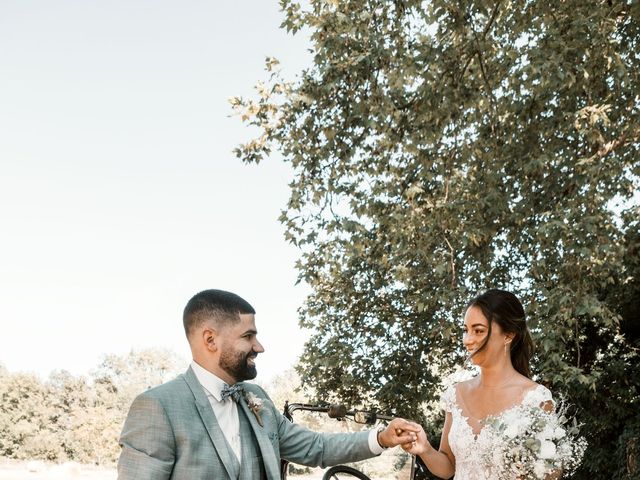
(237, 364)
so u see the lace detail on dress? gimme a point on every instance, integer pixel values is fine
(468, 448)
(538, 396)
(448, 399)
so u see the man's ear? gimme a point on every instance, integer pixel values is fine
(210, 339)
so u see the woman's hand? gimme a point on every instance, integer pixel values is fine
(420, 445)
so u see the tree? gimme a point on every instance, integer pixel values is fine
(440, 148)
(28, 419)
(71, 417)
(137, 371)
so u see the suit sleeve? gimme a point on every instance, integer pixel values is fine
(303, 446)
(306, 447)
(147, 441)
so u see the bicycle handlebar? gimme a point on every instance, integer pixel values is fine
(335, 410)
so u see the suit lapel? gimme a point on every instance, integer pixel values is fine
(210, 422)
(271, 466)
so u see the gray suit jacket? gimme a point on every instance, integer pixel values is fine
(171, 432)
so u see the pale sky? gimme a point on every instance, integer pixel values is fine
(120, 196)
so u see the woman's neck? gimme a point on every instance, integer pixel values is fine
(497, 375)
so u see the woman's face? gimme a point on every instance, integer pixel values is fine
(476, 329)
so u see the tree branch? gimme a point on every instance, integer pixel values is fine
(453, 264)
(577, 344)
(492, 97)
(609, 147)
(486, 30)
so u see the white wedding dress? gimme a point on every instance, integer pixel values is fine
(470, 447)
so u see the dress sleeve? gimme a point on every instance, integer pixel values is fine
(448, 398)
(542, 396)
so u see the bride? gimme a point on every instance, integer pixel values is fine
(498, 341)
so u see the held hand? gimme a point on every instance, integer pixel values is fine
(398, 432)
(419, 446)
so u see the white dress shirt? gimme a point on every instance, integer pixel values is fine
(226, 412)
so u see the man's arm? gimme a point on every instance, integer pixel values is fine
(147, 441)
(306, 447)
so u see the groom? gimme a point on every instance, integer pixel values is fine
(205, 424)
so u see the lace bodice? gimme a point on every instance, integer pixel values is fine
(468, 448)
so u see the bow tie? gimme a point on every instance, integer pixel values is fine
(232, 392)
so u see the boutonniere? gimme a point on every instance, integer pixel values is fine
(255, 405)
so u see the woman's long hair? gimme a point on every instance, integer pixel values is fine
(505, 309)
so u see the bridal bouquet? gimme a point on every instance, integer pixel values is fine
(531, 443)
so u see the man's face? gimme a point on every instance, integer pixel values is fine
(239, 347)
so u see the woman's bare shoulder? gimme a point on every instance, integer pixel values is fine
(467, 385)
(526, 383)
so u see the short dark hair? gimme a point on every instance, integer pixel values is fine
(505, 309)
(221, 306)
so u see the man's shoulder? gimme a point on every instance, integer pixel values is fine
(167, 389)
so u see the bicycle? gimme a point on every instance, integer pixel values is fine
(340, 413)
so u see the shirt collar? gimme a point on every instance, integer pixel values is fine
(209, 381)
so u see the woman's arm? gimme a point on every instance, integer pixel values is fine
(440, 462)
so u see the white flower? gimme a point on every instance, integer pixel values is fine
(539, 469)
(511, 417)
(559, 432)
(253, 401)
(547, 449)
(511, 431)
(547, 433)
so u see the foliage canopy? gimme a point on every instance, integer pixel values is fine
(440, 148)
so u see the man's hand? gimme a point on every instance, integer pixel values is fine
(398, 432)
